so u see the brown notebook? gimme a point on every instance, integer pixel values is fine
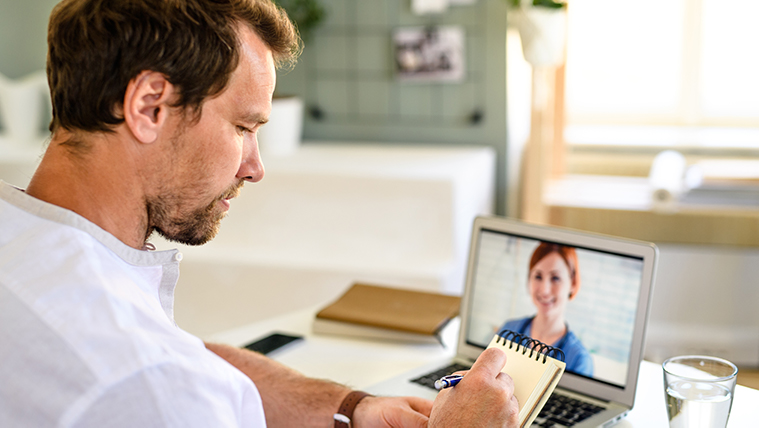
(374, 311)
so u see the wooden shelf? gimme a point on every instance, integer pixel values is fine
(621, 206)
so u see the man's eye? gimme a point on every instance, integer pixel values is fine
(242, 130)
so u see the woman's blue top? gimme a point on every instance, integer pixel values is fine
(577, 357)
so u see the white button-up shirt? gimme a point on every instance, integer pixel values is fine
(87, 335)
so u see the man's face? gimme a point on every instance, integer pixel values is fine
(208, 161)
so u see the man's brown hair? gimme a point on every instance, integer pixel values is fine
(95, 47)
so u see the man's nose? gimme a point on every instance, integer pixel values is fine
(251, 165)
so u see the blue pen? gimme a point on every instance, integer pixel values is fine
(448, 381)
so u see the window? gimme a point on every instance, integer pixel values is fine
(672, 73)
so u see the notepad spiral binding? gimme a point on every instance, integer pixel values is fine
(527, 343)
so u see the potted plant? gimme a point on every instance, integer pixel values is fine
(282, 134)
(306, 14)
(542, 26)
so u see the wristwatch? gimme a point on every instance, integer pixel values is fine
(345, 413)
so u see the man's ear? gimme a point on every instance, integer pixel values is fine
(146, 105)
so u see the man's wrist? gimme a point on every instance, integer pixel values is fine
(344, 416)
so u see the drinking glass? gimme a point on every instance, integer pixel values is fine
(699, 391)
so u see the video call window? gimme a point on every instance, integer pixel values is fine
(598, 310)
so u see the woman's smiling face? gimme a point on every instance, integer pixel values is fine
(550, 285)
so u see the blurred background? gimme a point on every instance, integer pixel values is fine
(636, 119)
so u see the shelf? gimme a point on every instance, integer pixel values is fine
(622, 206)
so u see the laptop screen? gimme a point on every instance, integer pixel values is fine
(580, 299)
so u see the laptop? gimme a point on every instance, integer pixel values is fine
(607, 314)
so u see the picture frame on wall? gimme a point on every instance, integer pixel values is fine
(429, 54)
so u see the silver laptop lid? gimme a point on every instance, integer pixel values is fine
(606, 314)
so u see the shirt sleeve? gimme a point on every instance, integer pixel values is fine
(170, 395)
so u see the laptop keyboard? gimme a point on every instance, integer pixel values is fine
(429, 379)
(559, 411)
(564, 411)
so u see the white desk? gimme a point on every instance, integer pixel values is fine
(363, 363)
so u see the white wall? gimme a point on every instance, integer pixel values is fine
(706, 301)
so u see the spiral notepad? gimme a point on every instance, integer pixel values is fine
(535, 367)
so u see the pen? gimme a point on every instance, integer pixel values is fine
(448, 381)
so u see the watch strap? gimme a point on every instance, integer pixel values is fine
(345, 413)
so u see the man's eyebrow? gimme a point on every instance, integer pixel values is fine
(253, 118)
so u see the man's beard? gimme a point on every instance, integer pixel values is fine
(195, 228)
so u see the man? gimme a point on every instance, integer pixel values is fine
(156, 104)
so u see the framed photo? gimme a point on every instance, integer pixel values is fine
(429, 54)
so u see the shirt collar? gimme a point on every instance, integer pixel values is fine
(168, 259)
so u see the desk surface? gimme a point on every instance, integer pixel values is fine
(361, 363)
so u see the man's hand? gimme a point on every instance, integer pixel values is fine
(385, 412)
(483, 398)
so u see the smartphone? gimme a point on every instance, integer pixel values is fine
(273, 342)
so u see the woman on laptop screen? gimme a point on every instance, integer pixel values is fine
(554, 280)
